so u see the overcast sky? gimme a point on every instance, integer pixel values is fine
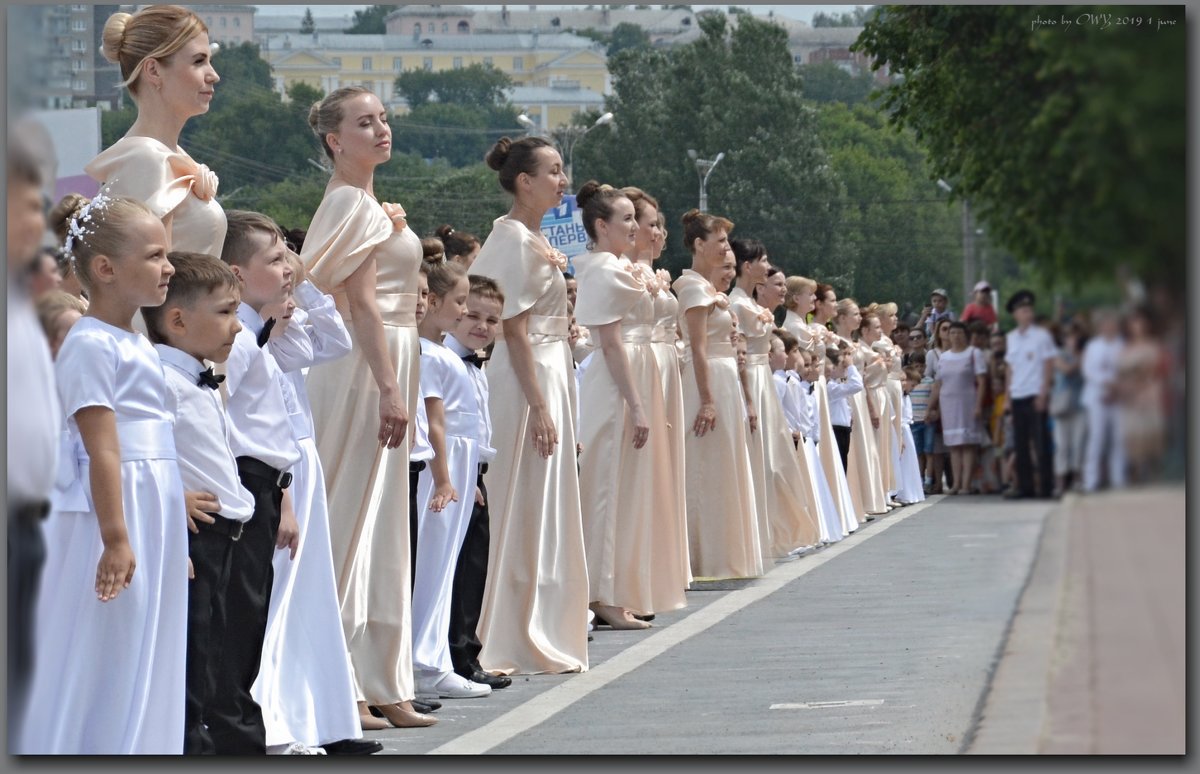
(794, 11)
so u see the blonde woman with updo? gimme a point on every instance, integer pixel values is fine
(889, 318)
(721, 512)
(362, 252)
(535, 601)
(166, 63)
(875, 381)
(863, 471)
(672, 566)
(622, 429)
(799, 301)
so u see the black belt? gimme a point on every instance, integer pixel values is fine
(416, 466)
(260, 469)
(223, 526)
(28, 511)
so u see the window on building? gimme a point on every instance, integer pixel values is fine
(79, 8)
(77, 65)
(397, 64)
(79, 84)
(366, 64)
(237, 21)
(79, 25)
(463, 28)
(458, 63)
(428, 63)
(445, 28)
(223, 21)
(487, 61)
(78, 45)
(518, 64)
(417, 28)
(337, 61)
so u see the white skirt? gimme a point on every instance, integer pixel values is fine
(830, 520)
(304, 685)
(439, 540)
(109, 677)
(912, 488)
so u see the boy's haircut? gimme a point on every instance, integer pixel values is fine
(833, 354)
(916, 358)
(914, 373)
(790, 342)
(486, 287)
(196, 275)
(238, 248)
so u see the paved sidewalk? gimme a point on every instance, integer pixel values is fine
(1095, 658)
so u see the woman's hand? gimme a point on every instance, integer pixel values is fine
(931, 413)
(115, 570)
(393, 418)
(288, 534)
(706, 419)
(641, 426)
(875, 421)
(751, 417)
(443, 495)
(542, 432)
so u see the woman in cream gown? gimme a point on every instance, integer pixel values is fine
(875, 381)
(819, 338)
(888, 319)
(785, 501)
(535, 603)
(623, 423)
(363, 254)
(672, 565)
(722, 520)
(863, 471)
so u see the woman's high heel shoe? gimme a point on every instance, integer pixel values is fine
(368, 721)
(402, 715)
(617, 617)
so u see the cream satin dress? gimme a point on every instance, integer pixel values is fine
(876, 380)
(535, 603)
(671, 527)
(830, 459)
(721, 513)
(620, 487)
(786, 501)
(368, 484)
(863, 471)
(895, 393)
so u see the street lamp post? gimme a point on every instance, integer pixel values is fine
(704, 168)
(569, 136)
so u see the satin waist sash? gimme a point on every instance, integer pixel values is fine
(542, 329)
(398, 310)
(147, 439)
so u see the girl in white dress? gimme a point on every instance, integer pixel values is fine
(446, 486)
(112, 615)
(909, 471)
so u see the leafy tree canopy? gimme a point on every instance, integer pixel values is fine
(826, 82)
(481, 86)
(369, 21)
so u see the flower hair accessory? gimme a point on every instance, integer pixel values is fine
(81, 225)
(396, 214)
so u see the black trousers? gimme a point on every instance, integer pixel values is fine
(1031, 436)
(26, 555)
(211, 553)
(414, 473)
(466, 602)
(842, 433)
(234, 718)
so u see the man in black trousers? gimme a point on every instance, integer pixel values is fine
(1030, 358)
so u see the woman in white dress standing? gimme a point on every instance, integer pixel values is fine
(824, 309)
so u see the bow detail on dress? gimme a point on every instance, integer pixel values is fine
(722, 301)
(199, 178)
(396, 214)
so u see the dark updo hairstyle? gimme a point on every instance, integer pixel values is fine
(698, 225)
(823, 289)
(641, 201)
(771, 272)
(596, 201)
(326, 114)
(432, 250)
(747, 251)
(512, 158)
(457, 243)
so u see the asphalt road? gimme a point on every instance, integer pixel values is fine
(883, 643)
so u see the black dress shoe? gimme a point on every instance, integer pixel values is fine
(425, 706)
(493, 681)
(353, 747)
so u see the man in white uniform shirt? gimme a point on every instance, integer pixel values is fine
(1030, 355)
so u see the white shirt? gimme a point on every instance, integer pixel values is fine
(839, 391)
(35, 418)
(206, 463)
(421, 450)
(1099, 368)
(812, 412)
(1026, 356)
(479, 378)
(259, 425)
(906, 413)
(787, 399)
(802, 391)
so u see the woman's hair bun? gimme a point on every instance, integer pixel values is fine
(587, 192)
(444, 231)
(314, 115)
(113, 36)
(498, 154)
(690, 215)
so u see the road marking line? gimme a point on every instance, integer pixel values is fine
(828, 704)
(544, 706)
(983, 535)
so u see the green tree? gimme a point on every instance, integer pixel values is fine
(733, 92)
(370, 20)
(303, 95)
(856, 18)
(241, 64)
(826, 82)
(307, 25)
(1069, 142)
(454, 115)
(627, 35)
(474, 86)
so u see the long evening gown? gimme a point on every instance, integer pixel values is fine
(722, 520)
(367, 484)
(895, 393)
(830, 459)
(535, 604)
(863, 471)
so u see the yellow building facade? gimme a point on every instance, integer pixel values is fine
(564, 70)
